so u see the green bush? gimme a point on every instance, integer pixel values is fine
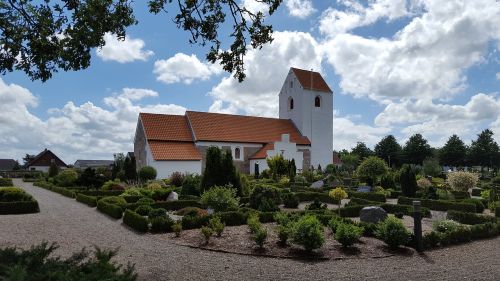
(103, 192)
(191, 185)
(40, 263)
(477, 202)
(265, 198)
(216, 224)
(65, 178)
(14, 194)
(253, 222)
(260, 237)
(177, 205)
(135, 221)
(283, 232)
(476, 192)
(395, 193)
(161, 224)
(91, 201)
(408, 180)
(145, 201)
(311, 196)
(456, 235)
(6, 182)
(316, 205)
(445, 226)
(143, 210)
(392, 232)
(156, 213)
(177, 228)
(132, 199)
(115, 200)
(439, 205)
(308, 232)
(372, 196)
(233, 218)
(469, 218)
(194, 221)
(220, 198)
(496, 207)
(431, 239)
(350, 211)
(348, 234)
(290, 200)
(111, 210)
(207, 232)
(113, 185)
(19, 207)
(161, 194)
(147, 173)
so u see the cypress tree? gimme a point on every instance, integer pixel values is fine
(213, 169)
(408, 180)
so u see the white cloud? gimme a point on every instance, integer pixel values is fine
(73, 131)
(498, 75)
(346, 133)
(266, 70)
(184, 68)
(300, 8)
(255, 6)
(424, 60)
(334, 21)
(123, 51)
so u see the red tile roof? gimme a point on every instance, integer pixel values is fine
(166, 127)
(171, 150)
(311, 80)
(239, 128)
(262, 153)
(45, 158)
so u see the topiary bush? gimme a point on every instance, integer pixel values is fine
(14, 194)
(161, 224)
(290, 200)
(462, 181)
(65, 178)
(147, 173)
(135, 221)
(111, 210)
(265, 198)
(143, 210)
(157, 213)
(469, 218)
(145, 201)
(220, 198)
(308, 232)
(348, 234)
(91, 201)
(392, 232)
(115, 200)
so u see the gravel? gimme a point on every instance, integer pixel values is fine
(74, 225)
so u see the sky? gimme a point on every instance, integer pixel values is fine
(395, 66)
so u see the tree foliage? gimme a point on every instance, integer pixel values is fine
(408, 180)
(372, 168)
(416, 150)
(453, 153)
(220, 170)
(43, 37)
(484, 151)
(389, 150)
(362, 150)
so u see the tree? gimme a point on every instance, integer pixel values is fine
(53, 170)
(28, 157)
(389, 150)
(362, 150)
(42, 37)
(372, 168)
(212, 175)
(484, 151)
(147, 173)
(453, 153)
(431, 167)
(130, 169)
(350, 161)
(408, 180)
(230, 174)
(118, 164)
(338, 194)
(416, 150)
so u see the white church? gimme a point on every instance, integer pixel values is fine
(303, 131)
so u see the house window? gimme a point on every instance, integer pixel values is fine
(237, 153)
(290, 104)
(317, 101)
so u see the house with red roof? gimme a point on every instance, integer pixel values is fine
(303, 131)
(43, 160)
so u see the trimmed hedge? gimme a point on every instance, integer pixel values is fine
(372, 196)
(406, 210)
(459, 195)
(177, 205)
(19, 207)
(111, 210)
(311, 196)
(6, 182)
(101, 192)
(61, 190)
(351, 211)
(233, 218)
(469, 218)
(461, 235)
(476, 191)
(395, 194)
(439, 205)
(496, 205)
(91, 201)
(135, 221)
(132, 199)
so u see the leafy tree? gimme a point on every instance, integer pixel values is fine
(338, 194)
(90, 178)
(453, 153)
(371, 169)
(118, 164)
(66, 178)
(389, 150)
(147, 173)
(362, 150)
(484, 151)
(431, 167)
(408, 180)
(42, 37)
(416, 150)
(350, 161)
(53, 170)
(28, 157)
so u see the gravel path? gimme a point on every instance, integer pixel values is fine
(74, 225)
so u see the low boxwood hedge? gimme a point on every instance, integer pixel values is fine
(476, 191)
(311, 196)
(111, 210)
(6, 182)
(61, 190)
(496, 206)
(372, 196)
(461, 235)
(439, 205)
(406, 210)
(19, 207)
(135, 221)
(177, 205)
(132, 199)
(350, 211)
(101, 192)
(91, 201)
(459, 195)
(395, 193)
(469, 218)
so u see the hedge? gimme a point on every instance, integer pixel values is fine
(63, 191)
(91, 201)
(311, 196)
(192, 222)
(469, 218)
(132, 199)
(111, 210)
(177, 205)
(461, 235)
(439, 205)
(476, 191)
(372, 196)
(233, 218)
(101, 192)
(6, 182)
(407, 210)
(459, 195)
(135, 221)
(496, 205)
(351, 211)
(395, 193)
(19, 207)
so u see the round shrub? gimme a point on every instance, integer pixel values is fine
(308, 232)
(316, 205)
(143, 210)
(161, 224)
(260, 237)
(265, 198)
(348, 234)
(158, 212)
(147, 173)
(217, 226)
(462, 181)
(115, 200)
(113, 185)
(444, 226)
(392, 232)
(145, 201)
(220, 198)
(290, 200)
(66, 177)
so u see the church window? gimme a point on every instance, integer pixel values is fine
(237, 153)
(291, 103)
(317, 101)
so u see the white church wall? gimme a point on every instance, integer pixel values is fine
(285, 148)
(165, 169)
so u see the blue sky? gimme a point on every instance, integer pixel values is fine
(395, 66)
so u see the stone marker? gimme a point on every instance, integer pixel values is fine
(317, 184)
(173, 196)
(372, 214)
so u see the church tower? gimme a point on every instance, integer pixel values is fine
(307, 100)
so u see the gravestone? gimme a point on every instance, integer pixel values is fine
(173, 196)
(318, 184)
(372, 214)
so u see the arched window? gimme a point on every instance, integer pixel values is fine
(290, 101)
(317, 101)
(237, 153)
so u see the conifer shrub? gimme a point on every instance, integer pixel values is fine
(408, 180)
(135, 221)
(348, 234)
(308, 232)
(392, 232)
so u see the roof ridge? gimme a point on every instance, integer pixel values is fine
(236, 115)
